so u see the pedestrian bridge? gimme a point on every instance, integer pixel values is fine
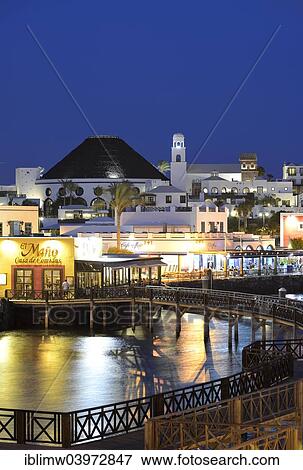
(260, 407)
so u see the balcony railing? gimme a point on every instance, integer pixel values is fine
(183, 209)
(155, 209)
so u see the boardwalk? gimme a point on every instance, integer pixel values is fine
(272, 364)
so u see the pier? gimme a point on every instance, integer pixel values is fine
(269, 368)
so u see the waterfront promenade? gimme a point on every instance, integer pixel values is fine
(85, 425)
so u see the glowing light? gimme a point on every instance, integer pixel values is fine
(4, 349)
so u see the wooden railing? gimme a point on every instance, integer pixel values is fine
(230, 423)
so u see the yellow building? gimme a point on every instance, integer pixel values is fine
(18, 220)
(35, 263)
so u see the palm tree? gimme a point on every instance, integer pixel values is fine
(123, 195)
(243, 210)
(69, 190)
(163, 166)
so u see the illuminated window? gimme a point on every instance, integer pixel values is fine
(51, 279)
(23, 280)
(291, 171)
(98, 203)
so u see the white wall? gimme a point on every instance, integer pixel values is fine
(26, 182)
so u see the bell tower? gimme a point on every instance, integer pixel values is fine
(178, 162)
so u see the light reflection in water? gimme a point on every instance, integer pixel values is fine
(64, 371)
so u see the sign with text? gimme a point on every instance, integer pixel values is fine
(34, 253)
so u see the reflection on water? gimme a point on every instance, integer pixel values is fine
(65, 371)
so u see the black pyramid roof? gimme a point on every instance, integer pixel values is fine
(104, 157)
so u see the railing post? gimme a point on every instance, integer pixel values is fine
(236, 419)
(299, 407)
(91, 314)
(46, 315)
(267, 375)
(157, 405)
(225, 395)
(20, 426)
(149, 435)
(291, 365)
(66, 430)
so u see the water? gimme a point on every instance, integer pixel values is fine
(64, 371)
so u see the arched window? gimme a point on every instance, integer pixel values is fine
(48, 207)
(79, 191)
(48, 192)
(136, 190)
(99, 203)
(259, 247)
(269, 247)
(234, 190)
(245, 190)
(79, 201)
(238, 248)
(178, 144)
(214, 190)
(205, 190)
(62, 192)
(178, 158)
(249, 248)
(223, 190)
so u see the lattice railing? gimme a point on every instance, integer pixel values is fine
(7, 425)
(228, 423)
(101, 422)
(263, 351)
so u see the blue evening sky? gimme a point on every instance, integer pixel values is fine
(145, 69)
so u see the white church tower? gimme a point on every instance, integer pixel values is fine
(178, 162)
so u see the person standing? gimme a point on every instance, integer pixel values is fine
(65, 288)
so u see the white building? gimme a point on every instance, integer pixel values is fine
(96, 163)
(227, 181)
